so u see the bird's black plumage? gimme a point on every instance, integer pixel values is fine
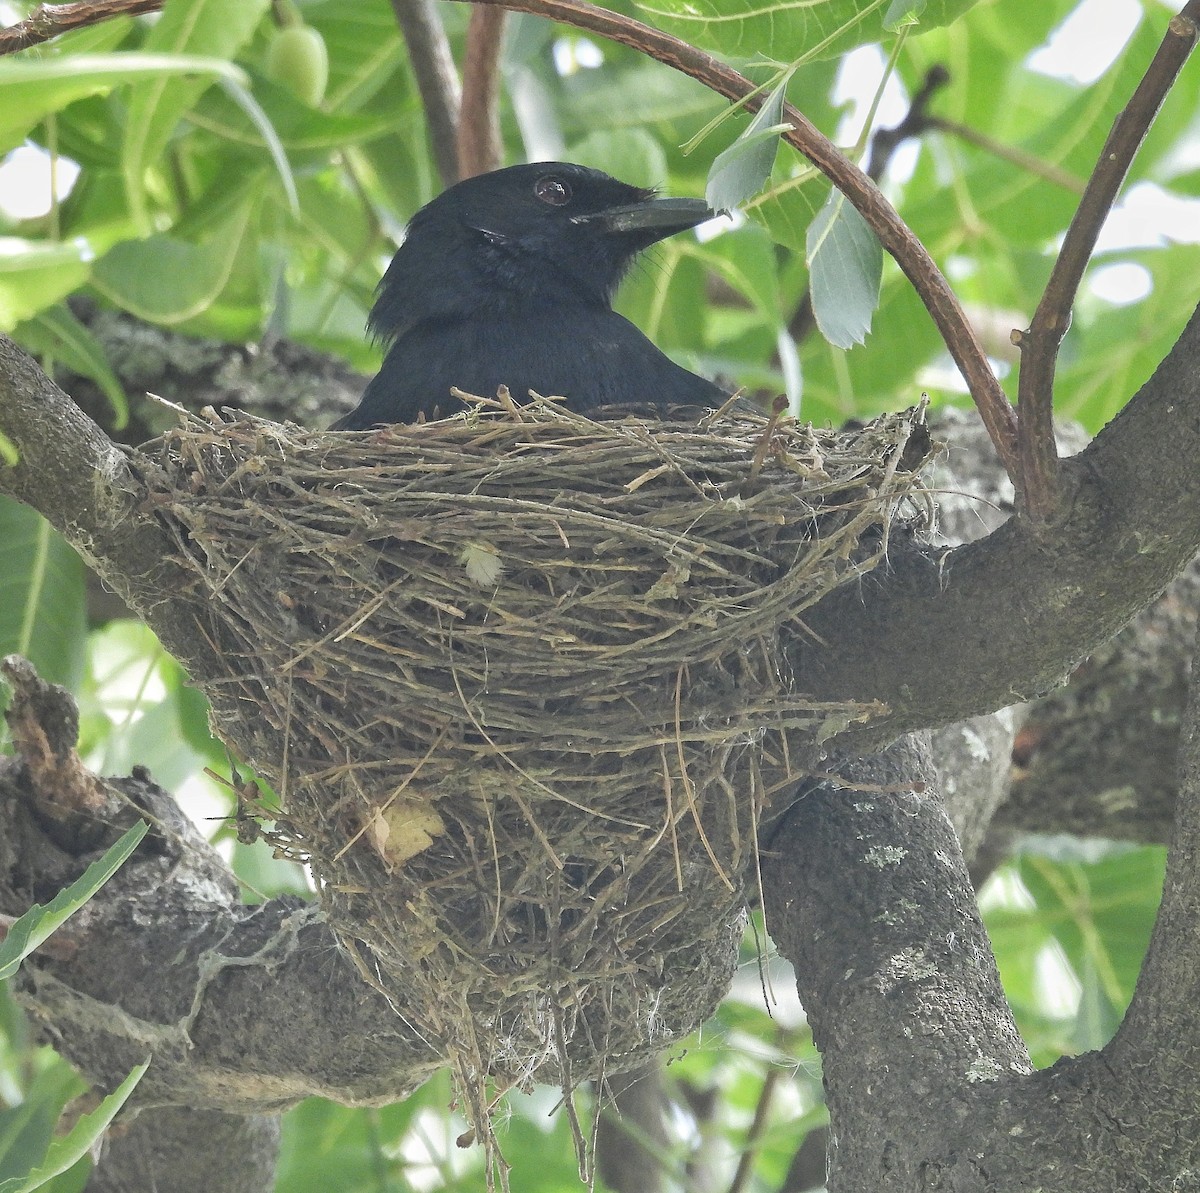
(507, 279)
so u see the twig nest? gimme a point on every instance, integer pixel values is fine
(522, 682)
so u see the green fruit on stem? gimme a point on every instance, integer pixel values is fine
(298, 60)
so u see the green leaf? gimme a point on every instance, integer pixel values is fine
(818, 28)
(326, 1146)
(37, 924)
(164, 279)
(631, 154)
(216, 28)
(746, 259)
(27, 1128)
(57, 332)
(42, 597)
(902, 13)
(64, 1153)
(787, 208)
(1062, 125)
(74, 1180)
(742, 170)
(31, 90)
(601, 99)
(299, 128)
(845, 265)
(262, 123)
(1111, 352)
(35, 274)
(365, 51)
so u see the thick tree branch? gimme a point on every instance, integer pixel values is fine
(1016, 614)
(245, 1009)
(1097, 757)
(281, 379)
(1166, 1004)
(1121, 1110)
(942, 637)
(181, 1148)
(1039, 471)
(895, 235)
(867, 895)
(75, 477)
(437, 80)
(927, 1082)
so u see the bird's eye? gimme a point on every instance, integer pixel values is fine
(552, 190)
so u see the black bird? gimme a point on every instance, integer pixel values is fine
(507, 279)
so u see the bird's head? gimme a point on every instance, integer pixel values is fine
(561, 231)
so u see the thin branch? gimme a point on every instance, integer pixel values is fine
(479, 145)
(49, 20)
(437, 80)
(1013, 154)
(758, 1127)
(1039, 471)
(916, 121)
(897, 238)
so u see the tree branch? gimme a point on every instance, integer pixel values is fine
(1098, 757)
(177, 1147)
(916, 121)
(897, 238)
(1013, 154)
(75, 477)
(437, 80)
(1166, 1003)
(479, 146)
(164, 960)
(49, 20)
(928, 1084)
(868, 897)
(943, 637)
(1038, 484)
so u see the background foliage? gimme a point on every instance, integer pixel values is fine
(203, 186)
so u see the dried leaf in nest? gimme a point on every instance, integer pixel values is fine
(522, 681)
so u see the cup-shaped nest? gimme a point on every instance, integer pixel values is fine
(524, 684)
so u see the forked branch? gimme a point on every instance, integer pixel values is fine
(1038, 467)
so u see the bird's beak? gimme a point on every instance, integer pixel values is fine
(658, 217)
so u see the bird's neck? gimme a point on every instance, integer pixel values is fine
(495, 286)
